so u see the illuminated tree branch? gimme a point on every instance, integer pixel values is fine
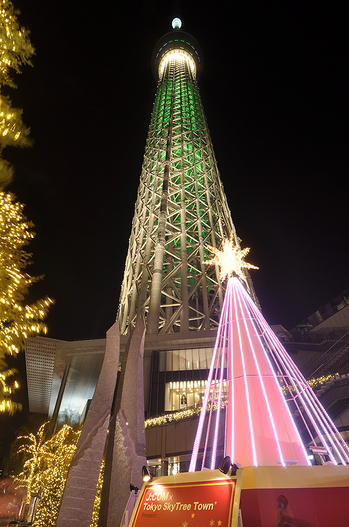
(16, 50)
(45, 469)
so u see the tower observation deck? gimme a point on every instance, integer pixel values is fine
(181, 206)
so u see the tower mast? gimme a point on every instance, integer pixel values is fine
(181, 205)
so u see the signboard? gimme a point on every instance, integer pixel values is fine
(210, 499)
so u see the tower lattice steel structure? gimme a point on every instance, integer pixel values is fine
(181, 205)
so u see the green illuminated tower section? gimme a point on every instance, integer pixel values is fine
(181, 206)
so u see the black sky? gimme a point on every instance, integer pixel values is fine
(275, 92)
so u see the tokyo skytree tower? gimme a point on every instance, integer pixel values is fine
(181, 206)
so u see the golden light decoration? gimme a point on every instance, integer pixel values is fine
(15, 46)
(17, 320)
(97, 502)
(7, 389)
(314, 382)
(231, 259)
(178, 415)
(12, 130)
(16, 50)
(320, 381)
(171, 417)
(45, 469)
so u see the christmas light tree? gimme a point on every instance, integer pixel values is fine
(262, 393)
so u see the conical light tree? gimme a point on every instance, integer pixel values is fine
(256, 390)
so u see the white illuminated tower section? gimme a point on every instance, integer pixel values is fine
(254, 389)
(181, 205)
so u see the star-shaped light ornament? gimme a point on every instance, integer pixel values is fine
(231, 259)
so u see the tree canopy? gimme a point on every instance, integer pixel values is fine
(16, 50)
(18, 320)
(45, 468)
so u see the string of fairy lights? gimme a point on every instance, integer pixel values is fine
(15, 46)
(16, 50)
(17, 321)
(12, 129)
(45, 469)
(316, 382)
(187, 413)
(6, 404)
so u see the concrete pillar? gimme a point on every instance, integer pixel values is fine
(125, 454)
(80, 490)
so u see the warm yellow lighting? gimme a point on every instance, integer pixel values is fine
(146, 474)
(15, 46)
(17, 320)
(178, 416)
(97, 502)
(16, 50)
(231, 259)
(46, 464)
(7, 388)
(177, 55)
(319, 381)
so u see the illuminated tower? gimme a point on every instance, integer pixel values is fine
(181, 206)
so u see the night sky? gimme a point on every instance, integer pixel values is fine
(274, 89)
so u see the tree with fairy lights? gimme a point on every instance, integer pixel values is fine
(45, 469)
(16, 50)
(7, 388)
(17, 320)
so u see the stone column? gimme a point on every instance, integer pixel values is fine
(125, 455)
(80, 490)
